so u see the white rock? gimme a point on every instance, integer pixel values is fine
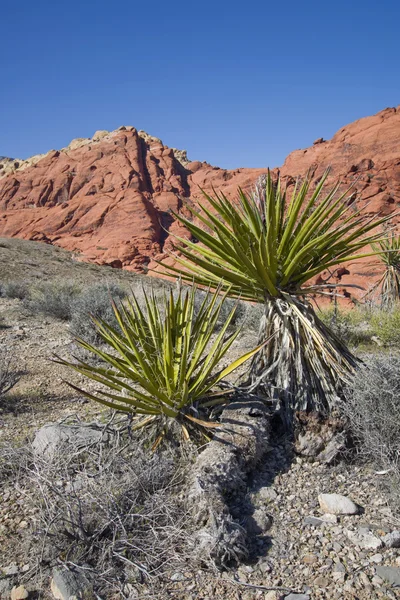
(19, 593)
(364, 539)
(336, 504)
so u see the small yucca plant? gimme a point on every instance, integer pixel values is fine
(164, 362)
(267, 249)
(388, 251)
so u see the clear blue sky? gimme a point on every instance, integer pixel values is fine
(234, 83)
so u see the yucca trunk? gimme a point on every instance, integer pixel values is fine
(390, 293)
(304, 364)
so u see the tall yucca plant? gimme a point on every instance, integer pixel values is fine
(267, 250)
(164, 362)
(388, 251)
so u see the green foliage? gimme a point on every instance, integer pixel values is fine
(386, 325)
(267, 247)
(364, 325)
(163, 362)
(351, 326)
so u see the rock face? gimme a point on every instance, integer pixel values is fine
(109, 198)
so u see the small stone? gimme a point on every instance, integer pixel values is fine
(297, 597)
(336, 504)
(392, 540)
(65, 584)
(310, 559)
(389, 574)
(339, 568)
(377, 580)
(267, 494)
(272, 595)
(364, 539)
(321, 581)
(177, 576)
(337, 547)
(25, 568)
(315, 521)
(19, 593)
(259, 522)
(23, 525)
(339, 577)
(329, 518)
(10, 570)
(377, 558)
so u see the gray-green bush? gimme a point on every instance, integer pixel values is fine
(372, 408)
(94, 300)
(53, 298)
(14, 289)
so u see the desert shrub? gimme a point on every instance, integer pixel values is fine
(351, 326)
(53, 298)
(372, 408)
(8, 373)
(95, 300)
(113, 510)
(14, 289)
(386, 325)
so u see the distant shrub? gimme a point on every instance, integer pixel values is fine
(14, 289)
(351, 326)
(53, 298)
(386, 325)
(94, 300)
(372, 408)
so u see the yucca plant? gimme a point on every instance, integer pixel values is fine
(267, 250)
(388, 251)
(164, 362)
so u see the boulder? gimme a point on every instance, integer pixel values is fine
(51, 439)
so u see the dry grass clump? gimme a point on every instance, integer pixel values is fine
(372, 408)
(9, 374)
(112, 510)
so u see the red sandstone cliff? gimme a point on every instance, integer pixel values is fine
(109, 198)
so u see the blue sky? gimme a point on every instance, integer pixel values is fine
(236, 84)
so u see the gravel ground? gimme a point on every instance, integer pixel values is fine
(290, 551)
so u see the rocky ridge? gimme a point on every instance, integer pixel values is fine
(110, 198)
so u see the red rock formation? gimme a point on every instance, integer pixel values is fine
(365, 154)
(109, 198)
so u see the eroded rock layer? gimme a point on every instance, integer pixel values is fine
(109, 198)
